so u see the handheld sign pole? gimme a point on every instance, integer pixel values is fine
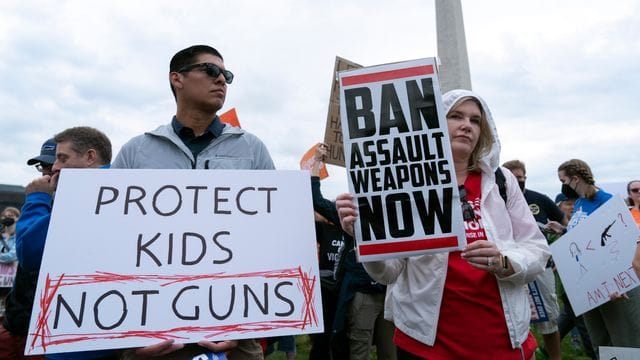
(399, 161)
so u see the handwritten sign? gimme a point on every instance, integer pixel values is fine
(333, 129)
(134, 257)
(399, 161)
(594, 258)
(7, 274)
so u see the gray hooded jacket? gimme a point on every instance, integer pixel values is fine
(162, 149)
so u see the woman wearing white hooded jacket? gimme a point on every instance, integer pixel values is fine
(473, 303)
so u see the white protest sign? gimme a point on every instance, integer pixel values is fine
(618, 353)
(134, 257)
(594, 258)
(399, 162)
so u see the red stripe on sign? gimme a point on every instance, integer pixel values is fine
(387, 75)
(406, 246)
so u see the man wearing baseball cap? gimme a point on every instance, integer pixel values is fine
(47, 157)
(14, 327)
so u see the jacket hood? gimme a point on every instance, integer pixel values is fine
(491, 160)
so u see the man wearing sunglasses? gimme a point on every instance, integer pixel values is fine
(44, 161)
(197, 139)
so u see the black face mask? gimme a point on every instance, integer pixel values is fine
(568, 191)
(7, 221)
(521, 185)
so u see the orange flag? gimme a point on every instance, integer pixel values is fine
(307, 162)
(230, 117)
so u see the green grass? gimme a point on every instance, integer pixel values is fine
(568, 352)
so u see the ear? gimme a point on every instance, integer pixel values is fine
(92, 157)
(175, 79)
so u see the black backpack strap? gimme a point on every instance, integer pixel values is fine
(501, 181)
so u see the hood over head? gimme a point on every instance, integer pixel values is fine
(491, 159)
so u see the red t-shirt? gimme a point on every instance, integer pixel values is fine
(472, 324)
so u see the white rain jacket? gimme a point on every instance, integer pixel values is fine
(413, 301)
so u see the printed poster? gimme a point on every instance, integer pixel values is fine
(399, 161)
(536, 303)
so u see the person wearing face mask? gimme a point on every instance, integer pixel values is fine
(19, 300)
(633, 191)
(567, 320)
(8, 256)
(544, 210)
(8, 220)
(617, 322)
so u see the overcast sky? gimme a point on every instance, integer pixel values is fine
(561, 78)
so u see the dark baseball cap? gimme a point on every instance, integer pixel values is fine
(47, 154)
(561, 197)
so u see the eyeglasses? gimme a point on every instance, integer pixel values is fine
(636, 190)
(467, 210)
(43, 168)
(212, 70)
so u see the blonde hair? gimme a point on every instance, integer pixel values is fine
(13, 210)
(485, 141)
(579, 168)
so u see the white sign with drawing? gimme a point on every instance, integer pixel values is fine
(594, 258)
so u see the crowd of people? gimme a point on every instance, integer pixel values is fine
(468, 304)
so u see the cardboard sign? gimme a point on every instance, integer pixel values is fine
(333, 130)
(399, 161)
(307, 162)
(594, 258)
(134, 257)
(7, 274)
(536, 303)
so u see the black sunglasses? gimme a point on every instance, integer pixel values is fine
(212, 70)
(635, 190)
(43, 167)
(467, 210)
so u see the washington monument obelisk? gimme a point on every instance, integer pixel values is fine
(452, 46)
